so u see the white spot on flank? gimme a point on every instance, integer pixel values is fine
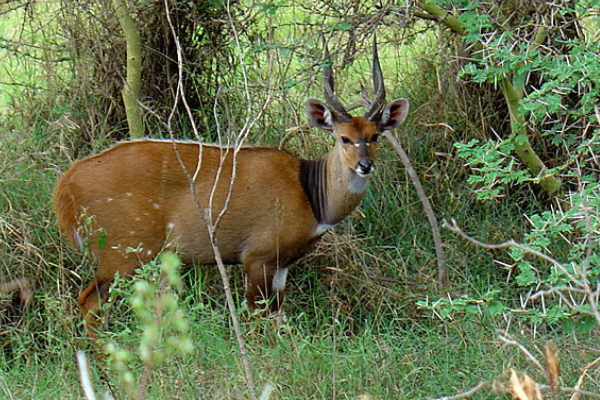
(156, 206)
(170, 226)
(149, 252)
(321, 229)
(132, 232)
(109, 199)
(129, 194)
(279, 279)
(138, 219)
(77, 237)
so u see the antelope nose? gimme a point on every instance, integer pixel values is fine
(365, 166)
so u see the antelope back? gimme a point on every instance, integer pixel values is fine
(138, 199)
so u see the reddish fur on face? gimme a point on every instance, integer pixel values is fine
(358, 129)
(359, 132)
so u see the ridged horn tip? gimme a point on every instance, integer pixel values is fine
(337, 109)
(374, 112)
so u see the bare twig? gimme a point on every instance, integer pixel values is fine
(591, 243)
(575, 391)
(453, 227)
(84, 374)
(207, 214)
(525, 352)
(468, 393)
(560, 389)
(581, 380)
(439, 249)
(502, 389)
(582, 284)
(244, 132)
(509, 387)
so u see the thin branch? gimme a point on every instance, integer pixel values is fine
(575, 391)
(590, 296)
(84, 374)
(207, 214)
(524, 350)
(439, 249)
(581, 380)
(468, 393)
(562, 389)
(454, 228)
(583, 283)
(499, 387)
(245, 131)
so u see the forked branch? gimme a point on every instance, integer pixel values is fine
(520, 386)
(580, 282)
(206, 215)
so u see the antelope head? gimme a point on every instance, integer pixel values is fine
(357, 136)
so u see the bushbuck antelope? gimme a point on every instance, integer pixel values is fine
(139, 198)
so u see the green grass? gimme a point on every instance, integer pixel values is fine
(345, 333)
(425, 360)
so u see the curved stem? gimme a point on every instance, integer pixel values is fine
(435, 230)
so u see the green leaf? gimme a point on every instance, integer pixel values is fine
(526, 276)
(521, 139)
(101, 238)
(344, 26)
(495, 307)
(586, 324)
(516, 254)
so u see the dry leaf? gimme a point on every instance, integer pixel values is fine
(524, 389)
(551, 352)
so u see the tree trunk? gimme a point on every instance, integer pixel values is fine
(131, 90)
(513, 94)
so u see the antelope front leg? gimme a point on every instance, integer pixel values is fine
(265, 286)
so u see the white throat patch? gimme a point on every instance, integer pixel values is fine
(358, 184)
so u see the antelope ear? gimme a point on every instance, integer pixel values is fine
(393, 114)
(319, 115)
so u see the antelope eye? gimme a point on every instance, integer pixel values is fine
(374, 138)
(345, 140)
